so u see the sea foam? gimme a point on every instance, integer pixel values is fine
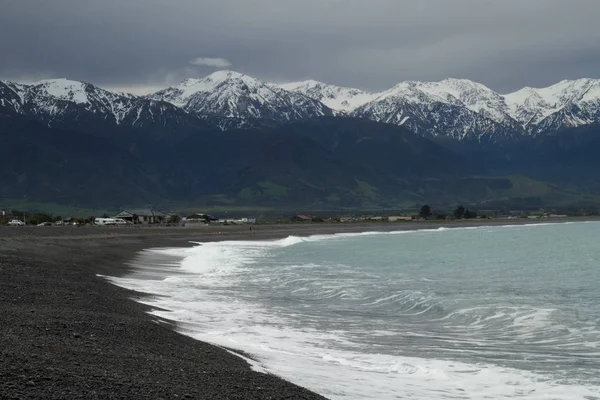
(317, 312)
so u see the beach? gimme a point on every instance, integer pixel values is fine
(66, 332)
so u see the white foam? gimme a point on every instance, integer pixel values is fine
(308, 358)
(328, 362)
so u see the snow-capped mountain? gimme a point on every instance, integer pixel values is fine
(234, 96)
(464, 109)
(58, 102)
(474, 96)
(459, 109)
(563, 105)
(52, 99)
(454, 108)
(337, 98)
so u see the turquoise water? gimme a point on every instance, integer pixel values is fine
(469, 313)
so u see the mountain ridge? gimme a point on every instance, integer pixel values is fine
(573, 103)
(458, 109)
(229, 94)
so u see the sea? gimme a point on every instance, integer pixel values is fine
(496, 312)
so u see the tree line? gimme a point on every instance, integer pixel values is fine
(460, 212)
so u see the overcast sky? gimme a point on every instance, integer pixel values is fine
(139, 45)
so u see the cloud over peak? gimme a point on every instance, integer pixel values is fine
(210, 62)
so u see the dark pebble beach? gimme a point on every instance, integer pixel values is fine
(66, 333)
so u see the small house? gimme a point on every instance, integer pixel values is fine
(142, 216)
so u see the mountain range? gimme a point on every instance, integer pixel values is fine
(453, 108)
(462, 109)
(230, 139)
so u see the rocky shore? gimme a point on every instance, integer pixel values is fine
(67, 334)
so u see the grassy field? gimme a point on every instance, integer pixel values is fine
(50, 208)
(494, 193)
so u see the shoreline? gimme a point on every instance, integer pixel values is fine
(260, 231)
(65, 332)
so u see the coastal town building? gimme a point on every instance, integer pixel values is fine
(142, 216)
(398, 218)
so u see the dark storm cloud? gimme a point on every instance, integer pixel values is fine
(371, 44)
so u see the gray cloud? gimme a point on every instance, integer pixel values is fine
(210, 62)
(368, 44)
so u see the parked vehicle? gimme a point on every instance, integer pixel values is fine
(44, 224)
(105, 221)
(16, 222)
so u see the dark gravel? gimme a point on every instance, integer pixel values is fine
(67, 334)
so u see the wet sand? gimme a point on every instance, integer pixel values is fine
(66, 333)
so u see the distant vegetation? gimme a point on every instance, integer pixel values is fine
(332, 164)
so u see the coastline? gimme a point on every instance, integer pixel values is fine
(67, 333)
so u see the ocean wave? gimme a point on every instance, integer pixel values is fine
(330, 318)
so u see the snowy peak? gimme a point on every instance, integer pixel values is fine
(63, 89)
(527, 111)
(53, 99)
(571, 91)
(335, 97)
(457, 108)
(235, 96)
(560, 94)
(472, 95)
(179, 95)
(568, 103)
(391, 105)
(72, 91)
(221, 80)
(220, 77)
(62, 101)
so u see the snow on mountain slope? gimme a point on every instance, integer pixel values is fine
(11, 96)
(52, 98)
(565, 104)
(180, 94)
(335, 97)
(63, 89)
(441, 108)
(231, 95)
(62, 101)
(475, 96)
(454, 108)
